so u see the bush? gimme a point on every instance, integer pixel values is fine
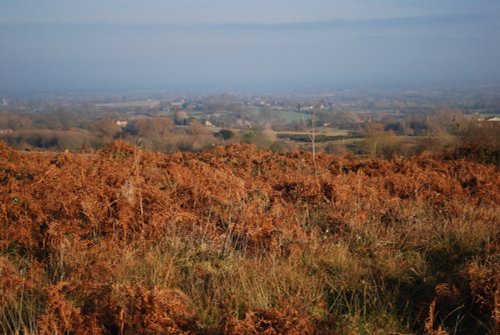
(224, 134)
(479, 141)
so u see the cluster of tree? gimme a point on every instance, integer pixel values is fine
(480, 142)
(161, 134)
(447, 132)
(60, 119)
(340, 119)
(61, 129)
(75, 139)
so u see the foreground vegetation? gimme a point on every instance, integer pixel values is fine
(240, 241)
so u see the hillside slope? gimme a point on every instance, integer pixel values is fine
(239, 241)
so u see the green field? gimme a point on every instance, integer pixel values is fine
(321, 131)
(291, 115)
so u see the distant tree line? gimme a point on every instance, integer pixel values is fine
(445, 131)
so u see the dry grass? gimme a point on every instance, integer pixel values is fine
(240, 241)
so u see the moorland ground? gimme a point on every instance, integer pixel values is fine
(235, 240)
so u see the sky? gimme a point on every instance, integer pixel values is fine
(231, 45)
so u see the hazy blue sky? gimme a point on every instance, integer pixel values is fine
(48, 45)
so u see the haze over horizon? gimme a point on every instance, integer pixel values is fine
(56, 45)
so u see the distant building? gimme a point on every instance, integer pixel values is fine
(6, 131)
(178, 103)
(121, 123)
(488, 119)
(208, 123)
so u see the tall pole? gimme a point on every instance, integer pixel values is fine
(313, 139)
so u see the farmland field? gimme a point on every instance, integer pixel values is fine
(290, 115)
